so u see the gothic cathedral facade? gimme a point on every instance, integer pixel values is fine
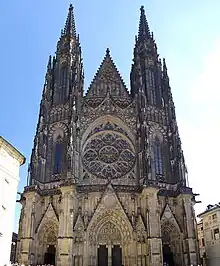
(107, 178)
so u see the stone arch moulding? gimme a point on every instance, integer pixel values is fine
(157, 131)
(105, 119)
(58, 129)
(48, 231)
(109, 232)
(116, 219)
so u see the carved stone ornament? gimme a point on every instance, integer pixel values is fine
(108, 155)
(109, 233)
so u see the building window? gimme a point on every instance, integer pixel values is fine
(203, 242)
(216, 233)
(63, 76)
(214, 216)
(158, 157)
(201, 228)
(58, 156)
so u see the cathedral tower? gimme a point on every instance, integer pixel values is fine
(54, 148)
(107, 177)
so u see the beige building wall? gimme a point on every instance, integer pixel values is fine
(211, 233)
(10, 162)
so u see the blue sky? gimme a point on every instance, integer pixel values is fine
(187, 34)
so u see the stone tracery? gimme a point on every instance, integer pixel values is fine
(109, 232)
(108, 155)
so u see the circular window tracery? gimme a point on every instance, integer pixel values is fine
(108, 155)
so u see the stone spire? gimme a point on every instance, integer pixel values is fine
(52, 157)
(144, 31)
(70, 28)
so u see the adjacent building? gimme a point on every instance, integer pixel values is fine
(13, 247)
(10, 161)
(107, 176)
(208, 234)
(201, 241)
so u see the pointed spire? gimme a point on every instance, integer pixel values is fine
(144, 31)
(70, 28)
(49, 63)
(165, 75)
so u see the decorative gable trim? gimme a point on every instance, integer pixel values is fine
(168, 216)
(107, 78)
(49, 214)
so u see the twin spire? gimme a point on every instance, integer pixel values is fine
(143, 32)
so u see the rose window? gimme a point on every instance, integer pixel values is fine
(108, 155)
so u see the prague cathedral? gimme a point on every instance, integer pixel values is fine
(107, 180)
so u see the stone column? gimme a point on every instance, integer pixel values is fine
(109, 254)
(65, 237)
(26, 233)
(190, 241)
(153, 226)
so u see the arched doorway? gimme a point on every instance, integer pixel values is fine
(171, 241)
(109, 245)
(50, 254)
(48, 244)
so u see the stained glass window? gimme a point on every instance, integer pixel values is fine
(58, 157)
(158, 156)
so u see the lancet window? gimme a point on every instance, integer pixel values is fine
(158, 157)
(58, 151)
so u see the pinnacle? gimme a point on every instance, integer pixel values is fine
(71, 7)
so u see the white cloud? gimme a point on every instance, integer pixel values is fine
(200, 130)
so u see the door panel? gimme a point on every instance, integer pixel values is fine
(102, 256)
(116, 256)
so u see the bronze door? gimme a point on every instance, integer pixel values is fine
(49, 257)
(116, 256)
(102, 256)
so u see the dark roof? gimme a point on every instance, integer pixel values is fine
(209, 209)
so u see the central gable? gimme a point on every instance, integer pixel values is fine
(107, 80)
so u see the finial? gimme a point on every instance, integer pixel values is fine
(164, 64)
(164, 68)
(107, 52)
(49, 63)
(71, 7)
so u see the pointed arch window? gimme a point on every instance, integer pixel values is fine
(63, 83)
(150, 78)
(158, 157)
(63, 76)
(58, 156)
